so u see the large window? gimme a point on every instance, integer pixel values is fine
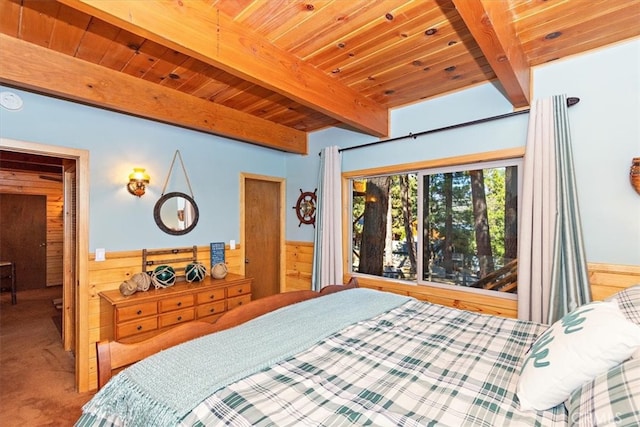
(450, 226)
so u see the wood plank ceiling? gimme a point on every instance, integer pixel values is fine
(267, 72)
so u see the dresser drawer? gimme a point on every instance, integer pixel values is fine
(124, 330)
(236, 290)
(176, 317)
(136, 311)
(210, 309)
(238, 301)
(175, 303)
(210, 295)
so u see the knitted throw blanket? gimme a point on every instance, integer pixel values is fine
(163, 388)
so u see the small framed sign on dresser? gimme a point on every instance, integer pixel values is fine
(217, 253)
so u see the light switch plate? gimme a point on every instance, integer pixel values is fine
(100, 254)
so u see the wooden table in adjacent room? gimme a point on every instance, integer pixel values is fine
(11, 266)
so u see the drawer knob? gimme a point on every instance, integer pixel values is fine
(239, 291)
(179, 303)
(239, 302)
(139, 327)
(179, 317)
(211, 297)
(139, 312)
(213, 310)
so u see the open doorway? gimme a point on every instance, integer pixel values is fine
(73, 166)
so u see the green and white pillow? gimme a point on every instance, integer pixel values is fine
(583, 344)
(629, 302)
(611, 399)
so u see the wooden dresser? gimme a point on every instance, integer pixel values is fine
(144, 314)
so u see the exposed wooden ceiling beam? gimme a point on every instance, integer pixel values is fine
(491, 25)
(33, 67)
(200, 30)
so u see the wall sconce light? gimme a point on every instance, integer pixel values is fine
(138, 181)
(634, 174)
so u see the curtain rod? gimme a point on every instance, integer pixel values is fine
(571, 101)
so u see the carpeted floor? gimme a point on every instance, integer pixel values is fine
(57, 321)
(37, 386)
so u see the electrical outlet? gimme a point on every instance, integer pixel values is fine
(232, 244)
(100, 254)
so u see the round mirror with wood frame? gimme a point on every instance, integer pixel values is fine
(176, 213)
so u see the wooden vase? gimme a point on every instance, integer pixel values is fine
(634, 174)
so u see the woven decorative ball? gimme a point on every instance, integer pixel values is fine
(195, 272)
(219, 270)
(128, 287)
(163, 276)
(137, 282)
(142, 281)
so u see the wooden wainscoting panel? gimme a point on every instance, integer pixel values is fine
(299, 282)
(234, 260)
(299, 264)
(607, 279)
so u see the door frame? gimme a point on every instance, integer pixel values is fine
(69, 253)
(80, 305)
(282, 187)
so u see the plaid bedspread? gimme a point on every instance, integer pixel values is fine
(417, 365)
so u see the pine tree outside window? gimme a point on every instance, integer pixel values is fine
(453, 226)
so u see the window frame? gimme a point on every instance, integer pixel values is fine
(499, 157)
(459, 168)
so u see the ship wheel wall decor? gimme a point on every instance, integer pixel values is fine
(306, 207)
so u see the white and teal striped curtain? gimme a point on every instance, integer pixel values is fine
(327, 249)
(552, 267)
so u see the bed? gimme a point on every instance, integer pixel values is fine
(363, 357)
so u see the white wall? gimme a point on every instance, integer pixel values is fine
(605, 128)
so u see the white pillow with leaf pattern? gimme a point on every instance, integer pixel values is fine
(583, 344)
